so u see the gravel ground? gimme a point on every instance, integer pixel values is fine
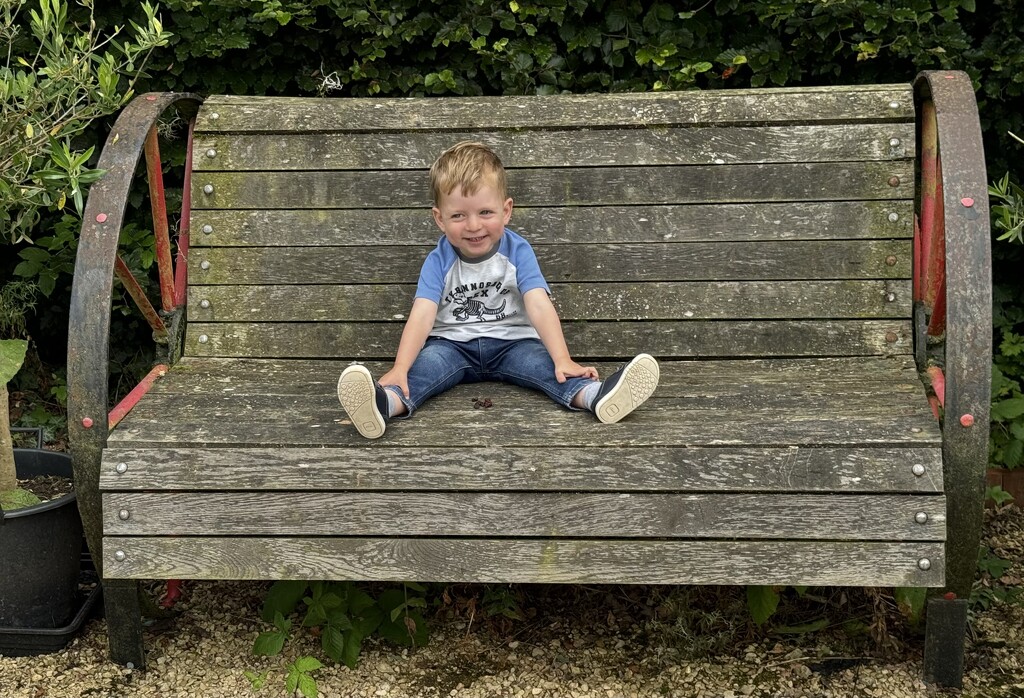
(602, 642)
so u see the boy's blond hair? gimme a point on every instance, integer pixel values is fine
(467, 165)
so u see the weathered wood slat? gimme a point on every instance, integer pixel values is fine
(579, 225)
(700, 261)
(712, 107)
(513, 402)
(383, 467)
(678, 378)
(755, 429)
(589, 340)
(567, 186)
(527, 422)
(608, 301)
(535, 561)
(214, 397)
(557, 148)
(526, 515)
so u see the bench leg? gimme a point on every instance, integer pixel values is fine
(944, 635)
(124, 622)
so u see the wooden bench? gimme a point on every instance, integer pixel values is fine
(760, 243)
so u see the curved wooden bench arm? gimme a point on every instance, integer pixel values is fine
(954, 284)
(89, 326)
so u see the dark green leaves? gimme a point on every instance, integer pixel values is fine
(343, 615)
(272, 642)
(282, 599)
(762, 602)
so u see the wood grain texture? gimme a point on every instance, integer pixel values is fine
(590, 186)
(874, 399)
(589, 340)
(540, 561)
(766, 379)
(529, 421)
(385, 467)
(526, 515)
(694, 107)
(734, 397)
(529, 429)
(557, 148)
(581, 225)
(606, 301)
(705, 261)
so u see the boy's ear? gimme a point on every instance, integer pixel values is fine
(507, 210)
(437, 217)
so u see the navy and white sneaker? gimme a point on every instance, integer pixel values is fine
(626, 389)
(365, 402)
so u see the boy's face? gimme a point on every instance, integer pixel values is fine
(473, 224)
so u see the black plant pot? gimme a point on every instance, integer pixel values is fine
(40, 551)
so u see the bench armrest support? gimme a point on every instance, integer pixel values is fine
(949, 119)
(89, 326)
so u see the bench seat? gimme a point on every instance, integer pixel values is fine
(783, 457)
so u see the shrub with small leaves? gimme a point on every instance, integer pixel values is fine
(59, 77)
(343, 615)
(1006, 446)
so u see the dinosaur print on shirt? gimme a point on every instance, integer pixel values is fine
(481, 297)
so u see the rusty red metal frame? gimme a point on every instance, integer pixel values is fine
(158, 205)
(956, 278)
(953, 291)
(131, 285)
(122, 408)
(172, 276)
(181, 266)
(930, 239)
(89, 323)
(172, 594)
(937, 396)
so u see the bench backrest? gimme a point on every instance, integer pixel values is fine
(684, 224)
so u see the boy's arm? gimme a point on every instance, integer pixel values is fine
(544, 319)
(417, 329)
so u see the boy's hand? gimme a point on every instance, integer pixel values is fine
(397, 377)
(570, 369)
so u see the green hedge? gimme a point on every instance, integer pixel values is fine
(408, 47)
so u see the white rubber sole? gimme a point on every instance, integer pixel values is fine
(638, 381)
(357, 394)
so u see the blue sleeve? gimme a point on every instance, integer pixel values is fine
(432, 273)
(528, 274)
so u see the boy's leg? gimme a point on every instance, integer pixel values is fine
(439, 366)
(528, 363)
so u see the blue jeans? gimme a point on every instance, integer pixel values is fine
(443, 364)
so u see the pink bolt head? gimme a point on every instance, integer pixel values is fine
(87, 422)
(967, 201)
(101, 218)
(967, 420)
(150, 98)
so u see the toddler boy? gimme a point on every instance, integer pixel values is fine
(482, 312)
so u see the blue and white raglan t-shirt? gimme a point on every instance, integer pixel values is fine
(484, 296)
